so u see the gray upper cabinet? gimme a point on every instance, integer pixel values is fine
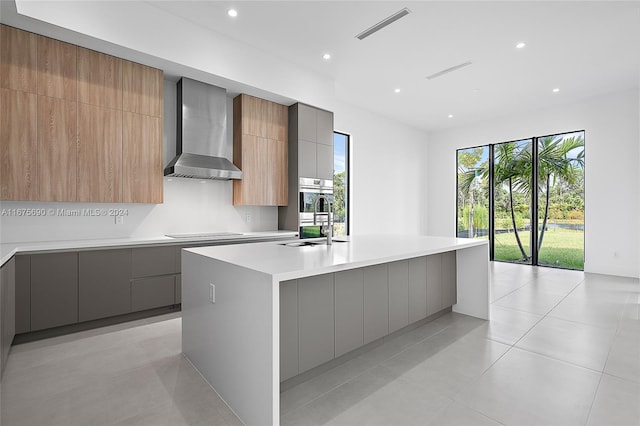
(376, 302)
(449, 279)
(307, 159)
(417, 289)
(324, 132)
(349, 298)
(104, 283)
(153, 261)
(398, 295)
(313, 128)
(54, 290)
(324, 161)
(288, 329)
(434, 283)
(315, 321)
(307, 123)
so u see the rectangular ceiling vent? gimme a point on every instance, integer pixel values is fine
(380, 25)
(448, 70)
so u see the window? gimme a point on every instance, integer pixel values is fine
(527, 198)
(340, 184)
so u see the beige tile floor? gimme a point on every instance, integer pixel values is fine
(562, 348)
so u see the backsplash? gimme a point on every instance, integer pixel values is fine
(190, 206)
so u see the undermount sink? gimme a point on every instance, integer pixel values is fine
(310, 243)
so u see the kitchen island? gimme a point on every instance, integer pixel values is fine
(255, 315)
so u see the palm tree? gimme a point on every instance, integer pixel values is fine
(555, 164)
(509, 169)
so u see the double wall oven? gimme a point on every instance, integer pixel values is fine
(313, 212)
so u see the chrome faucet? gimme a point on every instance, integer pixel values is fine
(328, 230)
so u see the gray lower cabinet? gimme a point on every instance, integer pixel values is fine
(54, 290)
(376, 302)
(153, 261)
(7, 309)
(349, 310)
(417, 289)
(104, 283)
(326, 316)
(23, 293)
(398, 295)
(153, 292)
(315, 321)
(288, 329)
(449, 279)
(434, 283)
(178, 295)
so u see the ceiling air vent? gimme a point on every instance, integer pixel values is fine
(448, 70)
(380, 25)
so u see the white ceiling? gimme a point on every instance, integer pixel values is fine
(583, 48)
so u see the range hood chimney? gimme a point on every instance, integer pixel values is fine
(201, 145)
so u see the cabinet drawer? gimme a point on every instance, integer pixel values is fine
(153, 261)
(148, 293)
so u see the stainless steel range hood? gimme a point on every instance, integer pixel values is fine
(201, 146)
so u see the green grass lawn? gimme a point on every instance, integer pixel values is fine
(561, 247)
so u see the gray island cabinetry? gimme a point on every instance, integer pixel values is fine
(261, 316)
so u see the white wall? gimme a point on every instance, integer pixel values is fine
(612, 181)
(387, 172)
(190, 206)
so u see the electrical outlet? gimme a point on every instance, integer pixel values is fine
(212, 293)
(119, 220)
(247, 218)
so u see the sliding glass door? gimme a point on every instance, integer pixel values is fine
(560, 237)
(473, 192)
(512, 201)
(527, 198)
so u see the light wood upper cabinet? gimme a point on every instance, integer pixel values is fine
(18, 59)
(18, 145)
(57, 149)
(260, 150)
(251, 158)
(278, 152)
(62, 130)
(99, 79)
(99, 154)
(142, 89)
(142, 159)
(57, 69)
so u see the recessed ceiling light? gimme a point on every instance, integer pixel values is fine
(397, 90)
(232, 12)
(556, 90)
(450, 116)
(326, 56)
(520, 45)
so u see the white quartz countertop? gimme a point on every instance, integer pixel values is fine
(284, 262)
(9, 249)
